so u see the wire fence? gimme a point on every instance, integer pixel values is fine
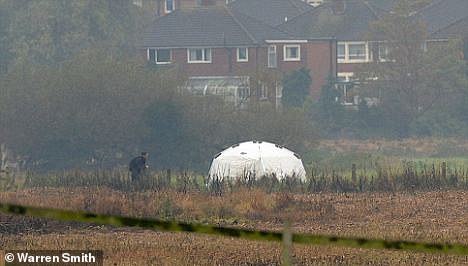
(174, 226)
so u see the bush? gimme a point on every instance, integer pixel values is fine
(296, 87)
(90, 106)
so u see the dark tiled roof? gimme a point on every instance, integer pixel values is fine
(459, 28)
(209, 27)
(271, 12)
(197, 27)
(259, 30)
(322, 22)
(442, 15)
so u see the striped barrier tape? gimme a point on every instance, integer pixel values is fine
(170, 226)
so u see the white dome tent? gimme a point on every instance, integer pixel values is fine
(256, 159)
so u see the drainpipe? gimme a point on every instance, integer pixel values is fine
(333, 63)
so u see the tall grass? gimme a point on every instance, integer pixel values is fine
(406, 176)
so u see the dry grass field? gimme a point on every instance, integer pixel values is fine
(440, 216)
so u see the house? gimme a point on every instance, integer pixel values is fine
(284, 9)
(349, 23)
(224, 46)
(446, 19)
(224, 52)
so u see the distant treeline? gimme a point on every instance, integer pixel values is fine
(74, 93)
(102, 110)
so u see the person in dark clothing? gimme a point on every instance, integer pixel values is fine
(138, 166)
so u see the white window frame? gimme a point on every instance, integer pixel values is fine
(263, 93)
(314, 3)
(138, 3)
(246, 54)
(337, 49)
(286, 46)
(162, 63)
(148, 57)
(383, 47)
(424, 46)
(347, 59)
(366, 52)
(270, 63)
(348, 78)
(203, 61)
(165, 6)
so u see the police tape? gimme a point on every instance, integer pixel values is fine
(172, 226)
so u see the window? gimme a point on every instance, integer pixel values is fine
(314, 3)
(383, 52)
(345, 76)
(159, 56)
(199, 55)
(347, 95)
(292, 53)
(242, 54)
(424, 46)
(345, 86)
(243, 93)
(138, 3)
(357, 51)
(353, 52)
(263, 95)
(341, 52)
(272, 56)
(169, 6)
(163, 56)
(152, 55)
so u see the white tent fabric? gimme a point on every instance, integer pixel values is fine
(257, 158)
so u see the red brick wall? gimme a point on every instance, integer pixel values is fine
(318, 56)
(244, 68)
(219, 65)
(321, 60)
(288, 66)
(349, 67)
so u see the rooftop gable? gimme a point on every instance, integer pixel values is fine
(323, 22)
(196, 27)
(259, 30)
(442, 15)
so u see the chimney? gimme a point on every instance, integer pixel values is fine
(338, 6)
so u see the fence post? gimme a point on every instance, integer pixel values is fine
(444, 170)
(168, 178)
(353, 173)
(287, 245)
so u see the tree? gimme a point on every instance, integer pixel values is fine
(90, 105)
(465, 49)
(417, 76)
(296, 87)
(328, 113)
(187, 131)
(5, 55)
(50, 32)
